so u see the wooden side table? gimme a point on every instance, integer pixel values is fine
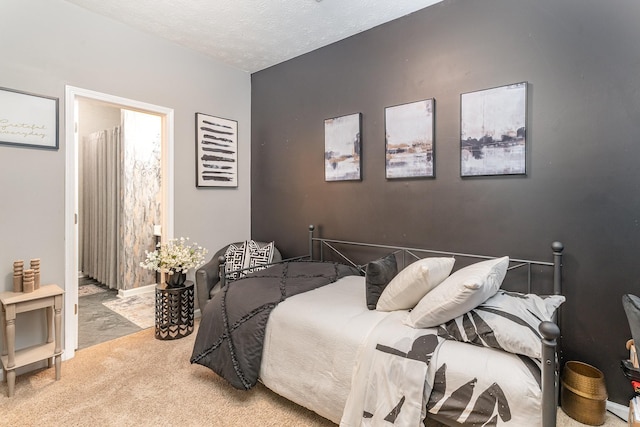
(48, 297)
(174, 311)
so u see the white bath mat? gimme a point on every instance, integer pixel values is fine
(139, 309)
(85, 290)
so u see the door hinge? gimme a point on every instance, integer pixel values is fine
(75, 309)
(75, 218)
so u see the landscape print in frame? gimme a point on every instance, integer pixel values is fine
(342, 148)
(409, 140)
(493, 131)
(216, 151)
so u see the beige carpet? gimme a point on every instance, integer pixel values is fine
(140, 381)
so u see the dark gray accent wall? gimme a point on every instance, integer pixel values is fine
(581, 59)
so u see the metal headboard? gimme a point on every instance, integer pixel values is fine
(405, 252)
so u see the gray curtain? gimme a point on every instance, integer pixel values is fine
(101, 211)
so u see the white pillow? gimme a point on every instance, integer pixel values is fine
(464, 290)
(412, 283)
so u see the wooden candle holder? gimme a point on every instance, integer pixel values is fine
(35, 265)
(18, 267)
(27, 283)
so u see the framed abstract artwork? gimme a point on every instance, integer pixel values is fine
(493, 131)
(409, 140)
(28, 120)
(343, 148)
(216, 151)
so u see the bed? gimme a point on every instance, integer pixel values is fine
(304, 329)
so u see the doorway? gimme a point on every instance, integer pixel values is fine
(73, 180)
(119, 189)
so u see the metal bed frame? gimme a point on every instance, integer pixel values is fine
(549, 330)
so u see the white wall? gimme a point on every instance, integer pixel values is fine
(47, 44)
(94, 116)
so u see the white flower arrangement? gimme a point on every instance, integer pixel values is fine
(175, 256)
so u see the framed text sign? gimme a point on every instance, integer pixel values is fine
(28, 120)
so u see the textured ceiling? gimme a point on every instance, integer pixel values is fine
(253, 34)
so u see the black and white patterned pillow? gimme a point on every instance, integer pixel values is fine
(234, 256)
(256, 258)
(507, 321)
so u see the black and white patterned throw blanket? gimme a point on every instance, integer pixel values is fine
(231, 333)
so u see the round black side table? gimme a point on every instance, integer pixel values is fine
(174, 311)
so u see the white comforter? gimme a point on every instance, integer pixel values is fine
(389, 384)
(312, 343)
(327, 352)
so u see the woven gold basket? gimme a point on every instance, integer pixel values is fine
(583, 393)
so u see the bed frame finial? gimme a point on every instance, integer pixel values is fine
(311, 229)
(222, 270)
(557, 247)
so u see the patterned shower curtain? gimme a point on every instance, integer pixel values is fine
(141, 195)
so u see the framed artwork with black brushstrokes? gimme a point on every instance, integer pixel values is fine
(216, 151)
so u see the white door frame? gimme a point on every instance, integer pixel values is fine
(71, 196)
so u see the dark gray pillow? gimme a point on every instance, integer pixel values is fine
(377, 276)
(631, 305)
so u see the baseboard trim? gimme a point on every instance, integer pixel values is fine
(618, 410)
(123, 293)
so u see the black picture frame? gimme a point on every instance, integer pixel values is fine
(493, 131)
(28, 120)
(216, 151)
(343, 148)
(410, 140)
